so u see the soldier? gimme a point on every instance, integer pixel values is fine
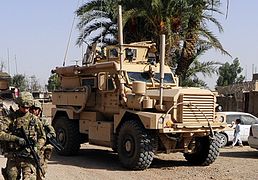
(20, 157)
(47, 150)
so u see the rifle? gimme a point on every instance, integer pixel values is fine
(30, 144)
(52, 140)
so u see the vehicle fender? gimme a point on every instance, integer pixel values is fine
(64, 112)
(148, 119)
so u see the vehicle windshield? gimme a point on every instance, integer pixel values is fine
(145, 77)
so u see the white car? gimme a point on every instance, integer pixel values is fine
(253, 136)
(229, 117)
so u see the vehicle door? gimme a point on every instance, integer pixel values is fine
(109, 96)
(246, 122)
(230, 119)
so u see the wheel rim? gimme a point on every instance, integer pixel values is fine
(128, 145)
(61, 136)
(223, 140)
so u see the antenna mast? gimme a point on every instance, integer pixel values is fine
(120, 35)
(70, 34)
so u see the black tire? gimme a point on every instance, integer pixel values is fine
(206, 151)
(135, 148)
(67, 133)
(223, 139)
(114, 144)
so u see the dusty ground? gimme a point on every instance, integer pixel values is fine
(94, 162)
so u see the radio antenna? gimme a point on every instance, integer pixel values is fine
(70, 34)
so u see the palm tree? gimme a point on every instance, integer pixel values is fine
(190, 78)
(98, 19)
(184, 22)
(196, 32)
(147, 20)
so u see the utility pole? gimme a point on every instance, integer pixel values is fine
(252, 69)
(8, 63)
(16, 69)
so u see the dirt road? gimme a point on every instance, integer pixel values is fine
(95, 162)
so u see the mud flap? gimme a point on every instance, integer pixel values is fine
(4, 173)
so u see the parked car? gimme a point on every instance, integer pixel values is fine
(253, 136)
(246, 121)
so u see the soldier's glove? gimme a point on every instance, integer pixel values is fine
(21, 141)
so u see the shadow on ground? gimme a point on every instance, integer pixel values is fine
(106, 159)
(160, 163)
(240, 154)
(90, 158)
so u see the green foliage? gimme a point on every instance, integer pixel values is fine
(19, 81)
(194, 82)
(183, 22)
(53, 82)
(98, 19)
(191, 78)
(230, 73)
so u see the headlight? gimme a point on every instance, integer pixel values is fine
(161, 120)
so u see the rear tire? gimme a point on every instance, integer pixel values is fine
(67, 133)
(206, 151)
(135, 147)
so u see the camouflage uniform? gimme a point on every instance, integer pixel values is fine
(19, 159)
(47, 149)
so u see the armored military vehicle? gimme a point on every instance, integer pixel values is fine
(127, 99)
(6, 100)
(6, 94)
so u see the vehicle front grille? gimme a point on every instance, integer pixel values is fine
(195, 108)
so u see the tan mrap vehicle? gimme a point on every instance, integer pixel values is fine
(6, 95)
(135, 107)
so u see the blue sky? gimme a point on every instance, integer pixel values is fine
(36, 32)
(239, 37)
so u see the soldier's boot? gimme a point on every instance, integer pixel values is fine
(48, 153)
(4, 173)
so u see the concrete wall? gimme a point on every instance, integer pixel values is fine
(253, 103)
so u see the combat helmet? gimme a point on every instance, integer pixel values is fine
(37, 104)
(25, 99)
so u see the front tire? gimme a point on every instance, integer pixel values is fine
(223, 139)
(206, 151)
(67, 133)
(135, 147)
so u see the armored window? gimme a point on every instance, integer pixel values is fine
(130, 54)
(113, 53)
(145, 76)
(89, 82)
(110, 84)
(106, 82)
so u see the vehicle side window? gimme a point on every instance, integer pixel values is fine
(106, 82)
(247, 120)
(110, 83)
(113, 53)
(232, 118)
